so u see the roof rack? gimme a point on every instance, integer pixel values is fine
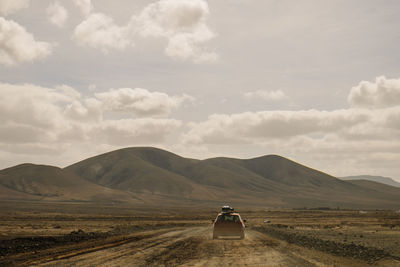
(227, 209)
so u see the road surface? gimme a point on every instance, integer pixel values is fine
(192, 247)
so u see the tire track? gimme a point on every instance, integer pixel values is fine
(194, 246)
(133, 251)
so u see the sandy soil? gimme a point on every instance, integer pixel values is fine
(194, 247)
(183, 238)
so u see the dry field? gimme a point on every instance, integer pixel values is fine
(84, 235)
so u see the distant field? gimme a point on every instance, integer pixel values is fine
(71, 234)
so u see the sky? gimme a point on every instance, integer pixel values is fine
(315, 81)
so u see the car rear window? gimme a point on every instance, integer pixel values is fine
(228, 218)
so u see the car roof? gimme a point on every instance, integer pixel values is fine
(230, 213)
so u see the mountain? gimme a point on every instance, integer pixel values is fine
(41, 182)
(376, 186)
(379, 179)
(151, 176)
(264, 181)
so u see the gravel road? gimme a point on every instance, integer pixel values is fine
(193, 247)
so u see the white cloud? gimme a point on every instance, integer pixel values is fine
(41, 117)
(171, 16)
(30, 105)
(266, 95)
(100, 31)
(84, 5)
(140, 102)
(10, 6)
(379, 94)
(186, 46)
(57, 14)
(374, 115)
(68, 91)
(360, 139)
(17, 45)
(12, 133)
(92, 87)
(181, 22)
(88, 110)
(252, 127)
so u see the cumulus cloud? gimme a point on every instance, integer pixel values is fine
(251, 126)
(100, 31)
(12, 133)
(84, 110)
(374, 115)
(140, 102)
(32, 108)
(40, 116)
(17, 45)
(183, 23)
(361, 138)
(266, 95)
(379, 94)
(38, 107)
(57, 14)
(84, 5)
(10, 6)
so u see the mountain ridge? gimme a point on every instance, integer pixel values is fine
(374, 178)
(152, 176)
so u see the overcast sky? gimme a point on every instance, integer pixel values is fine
(315, 81)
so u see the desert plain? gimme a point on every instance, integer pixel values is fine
(79, 234)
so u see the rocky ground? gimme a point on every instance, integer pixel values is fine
(87, 236)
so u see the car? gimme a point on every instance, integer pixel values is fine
(228, 224)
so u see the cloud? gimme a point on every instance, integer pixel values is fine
(17, 45)
(374, 115)
(379, 94)
(100, 31)
(134, 131)
(88, 110)
(31, 105)
(249, 127)
(57, 14)
(40, 116)
(140, 102)
(62, 119)
(12, 133)
(183, 23)
(189, 47)
(10, 6)
(84, 5)
(266, 95)
(359, 139)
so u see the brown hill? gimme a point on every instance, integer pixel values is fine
(268, 181)
(150, 176)
(41, 182)
(379, 179)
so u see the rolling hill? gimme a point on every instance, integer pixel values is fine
(151, 176)
(378, 179)
(41, 182)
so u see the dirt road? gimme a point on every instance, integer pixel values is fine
(194, 247)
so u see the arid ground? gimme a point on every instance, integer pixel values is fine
(85, 235)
